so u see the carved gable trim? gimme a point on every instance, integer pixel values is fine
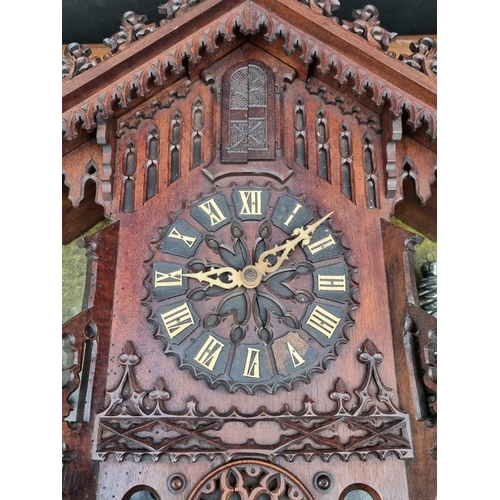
(158, 59)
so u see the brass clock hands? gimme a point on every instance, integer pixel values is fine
(212, 277)
(302, 235)
(252, 275)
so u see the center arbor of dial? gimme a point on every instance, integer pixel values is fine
(250, 277)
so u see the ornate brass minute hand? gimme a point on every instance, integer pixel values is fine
(281, 252)
(252, 275)
(212, 277)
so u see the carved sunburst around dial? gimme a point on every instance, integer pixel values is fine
(251, 288)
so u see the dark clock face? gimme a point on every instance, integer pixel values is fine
(250, 288)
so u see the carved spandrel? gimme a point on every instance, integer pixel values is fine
(138, 423)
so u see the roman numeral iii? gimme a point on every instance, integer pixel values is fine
(323, 321)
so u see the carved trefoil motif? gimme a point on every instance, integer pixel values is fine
(138, 423)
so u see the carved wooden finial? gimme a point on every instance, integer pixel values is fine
(77, 59)
(367, 26)
(424, 58)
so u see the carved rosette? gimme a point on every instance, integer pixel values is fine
(138, 423)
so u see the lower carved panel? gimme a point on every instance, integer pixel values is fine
(248, 480)
(138, 423)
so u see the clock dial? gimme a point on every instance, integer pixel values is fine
(251, 289)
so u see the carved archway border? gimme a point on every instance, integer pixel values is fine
(284, 482)
(250, 19)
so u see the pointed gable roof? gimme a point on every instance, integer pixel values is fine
(144, 58)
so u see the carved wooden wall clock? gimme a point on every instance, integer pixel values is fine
(251, 326)
(227, 272)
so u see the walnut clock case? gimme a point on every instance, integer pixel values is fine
(250, 327)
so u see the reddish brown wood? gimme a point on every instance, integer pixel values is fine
(76, 221)
(416, 324)
(341, 124)
(413, 212)
(80, 474)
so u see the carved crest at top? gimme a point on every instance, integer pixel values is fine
(133, 27)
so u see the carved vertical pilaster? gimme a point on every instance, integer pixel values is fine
(106, 138)
(392, 132)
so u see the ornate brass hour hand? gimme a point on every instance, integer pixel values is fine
(252, 275)
(212, 277)
(281, 252)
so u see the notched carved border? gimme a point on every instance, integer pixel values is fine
(248, 19)
(138, 423)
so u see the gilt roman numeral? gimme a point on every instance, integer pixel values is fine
(177, 320)
(298, 206)
(173, 278)
(188, 240)
(323, 321)
(297, 359)
(211, 208)
(209, 353)
(252, 202)
(321, 244)
(252, 363)
(331, 283)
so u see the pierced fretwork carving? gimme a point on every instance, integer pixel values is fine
(420, 338)
(345, 149)
(322, 145)
(347, 105)
(176, 125)
(300, 153)
(129, 172)
(198, 127)
(249, 480)
(153, 152)
(249, 18)
(138, 423)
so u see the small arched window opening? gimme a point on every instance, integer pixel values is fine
(358, 491)
(141, 493)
